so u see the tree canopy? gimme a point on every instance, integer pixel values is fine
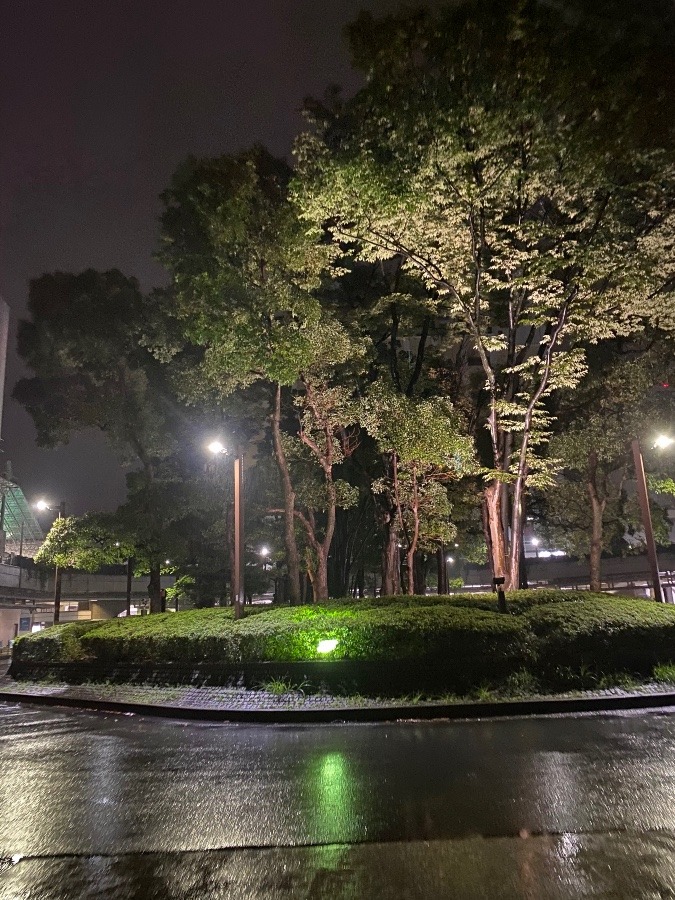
(455, 304)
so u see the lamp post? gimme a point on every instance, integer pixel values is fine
(60, 510)
(237, 587)
(264, 552)
(643, 499)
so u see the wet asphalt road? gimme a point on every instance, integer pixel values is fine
(124, 807)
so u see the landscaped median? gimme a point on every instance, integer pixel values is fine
(388, 646)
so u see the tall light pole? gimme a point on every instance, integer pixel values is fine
(60, 510)
(643, 499)
(237, 586)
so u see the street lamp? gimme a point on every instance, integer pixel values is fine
(60, 511)
(237, 587)
(662, 441)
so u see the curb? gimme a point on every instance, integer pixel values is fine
(499, 709)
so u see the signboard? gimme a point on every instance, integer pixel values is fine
(24, 623)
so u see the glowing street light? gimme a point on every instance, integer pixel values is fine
(662, 442)
(60, 511)
(216, 447)
(237, 587)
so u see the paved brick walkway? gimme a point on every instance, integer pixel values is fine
(240, 699)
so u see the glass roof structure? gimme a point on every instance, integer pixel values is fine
(23, 533)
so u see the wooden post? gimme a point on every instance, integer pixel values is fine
(238, 574)
(130, 572)
(643, 499)
(57, 574)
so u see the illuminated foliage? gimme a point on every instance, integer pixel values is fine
(535, 219)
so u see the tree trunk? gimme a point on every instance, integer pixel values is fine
(290, 542)
(442, 571)
(320, 581)
(414, 539)
(391, 579)
(155, 588)
(420, 573)
(513, 575)
(410, 571)
(494, 528)
(361, 582)
(597, 513)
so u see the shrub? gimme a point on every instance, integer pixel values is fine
(603, 634)
(60, 643)
(444, 637)
(459, 641)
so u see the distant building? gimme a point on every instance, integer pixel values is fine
(20, 532)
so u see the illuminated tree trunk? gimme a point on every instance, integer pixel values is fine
(290, 542)
(494, 528)
(391, 570)
(597, 514)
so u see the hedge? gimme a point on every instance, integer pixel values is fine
(607, 634)
(460, 641)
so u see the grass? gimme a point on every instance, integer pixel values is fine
(280, 687)
(665, 673)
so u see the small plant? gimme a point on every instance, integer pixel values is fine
(665, 672)
(357, 699)
(412, 699)
(448, 699)
(619, 680)
(484, 694)
(281, 686)
(521, 683)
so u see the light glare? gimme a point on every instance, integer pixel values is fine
(216, 447)
(326, 646)
(663, 441)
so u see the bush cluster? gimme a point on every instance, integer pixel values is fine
(462, 639)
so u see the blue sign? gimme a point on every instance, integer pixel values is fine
(24, 623)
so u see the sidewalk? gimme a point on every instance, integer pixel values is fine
(219, 704)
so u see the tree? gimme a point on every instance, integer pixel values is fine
(475, 161)
(327, 429)
(239, 264)
(425, 439)
(85, 342)
(588, 510)
(85, 543)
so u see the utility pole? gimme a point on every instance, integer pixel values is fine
(643, 499)
(20, 551)
(238, 574)
(57, 573)
(130, 572)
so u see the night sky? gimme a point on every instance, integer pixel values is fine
(99, 103)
